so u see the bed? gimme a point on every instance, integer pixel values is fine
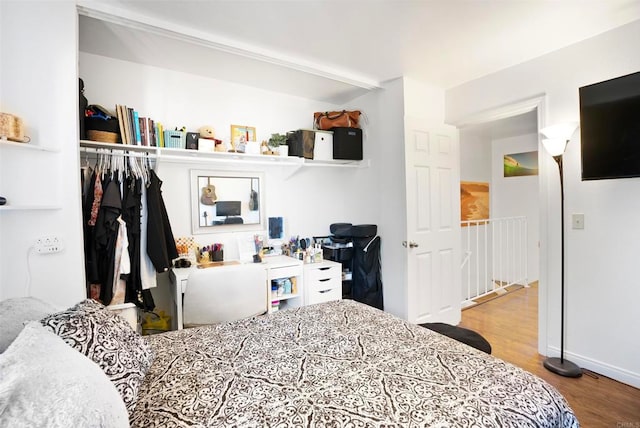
(336, 364)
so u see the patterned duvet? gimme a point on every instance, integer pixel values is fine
(338, 364)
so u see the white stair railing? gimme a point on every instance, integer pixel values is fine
(495, 256)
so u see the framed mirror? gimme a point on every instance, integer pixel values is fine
(226, 201)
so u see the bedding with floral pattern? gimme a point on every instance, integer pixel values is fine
(337, 364)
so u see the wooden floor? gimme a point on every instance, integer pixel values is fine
(510, 324)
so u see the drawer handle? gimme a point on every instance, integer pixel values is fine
(324, 268)
(324, 291)
(324, 279)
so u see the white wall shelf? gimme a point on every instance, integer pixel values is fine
(25, 146)
(163, 154)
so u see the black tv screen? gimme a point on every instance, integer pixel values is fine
(227, 208)
(610, 128)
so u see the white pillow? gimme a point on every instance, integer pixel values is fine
(15, 312)
(46, 383)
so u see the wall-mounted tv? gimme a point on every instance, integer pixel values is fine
(610, 128)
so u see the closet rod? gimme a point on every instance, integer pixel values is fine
(118, 152)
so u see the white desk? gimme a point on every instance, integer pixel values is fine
(276, 266)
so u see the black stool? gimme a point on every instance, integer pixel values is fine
(460, 334)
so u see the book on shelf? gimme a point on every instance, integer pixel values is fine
(136, 124)
(142, 124)
(127, 124)
(152, 132)
(130, 127)
(138, 130)
(160, 135)
(121, 124)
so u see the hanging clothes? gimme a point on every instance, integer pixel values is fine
(88, 197)
(147, 270)
(127, 234)
(122, 265)
(134, 202)
(106, 234)
(161, 245)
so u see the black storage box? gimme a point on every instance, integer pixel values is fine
(347, 143)
(301, 143)
(192, 140)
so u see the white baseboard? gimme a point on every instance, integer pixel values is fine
(617, 373)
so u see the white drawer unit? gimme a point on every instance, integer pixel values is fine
(322, 282)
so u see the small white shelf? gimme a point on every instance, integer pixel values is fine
(28, 207)
(25, 146)
(284, 296)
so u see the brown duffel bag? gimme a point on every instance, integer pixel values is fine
(331, 119)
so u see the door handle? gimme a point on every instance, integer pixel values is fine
(410, 244)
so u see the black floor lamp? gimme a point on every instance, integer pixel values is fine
(557, 138)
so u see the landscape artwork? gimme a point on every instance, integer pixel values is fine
(474, 201)
(521, 164)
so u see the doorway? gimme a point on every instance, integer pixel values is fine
(485, 140)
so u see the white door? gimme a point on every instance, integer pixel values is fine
(433, 223)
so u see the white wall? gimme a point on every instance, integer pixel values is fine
(391, 190)
(517, 196)
(602, 282)
(39, 83)
(475, 157)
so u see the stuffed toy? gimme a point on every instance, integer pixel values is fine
(207, 132)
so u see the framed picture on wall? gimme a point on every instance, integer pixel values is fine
(521, 164)
(474, 201)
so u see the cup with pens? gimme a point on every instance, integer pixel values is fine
(218, 254)
(211, 253)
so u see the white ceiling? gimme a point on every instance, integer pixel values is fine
(443, 42)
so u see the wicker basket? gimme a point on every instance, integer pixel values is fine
(103, 136)
(12, 128)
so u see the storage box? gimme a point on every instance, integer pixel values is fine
(192, 140)
(175, 139)
(301, 143)
(206, 145)
(347, 143)
(323, 145)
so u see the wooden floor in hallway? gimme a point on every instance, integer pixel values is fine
(510, 324)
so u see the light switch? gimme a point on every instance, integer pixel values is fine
(577, 221)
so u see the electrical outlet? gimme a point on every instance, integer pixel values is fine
(48, 245)
(577, 221)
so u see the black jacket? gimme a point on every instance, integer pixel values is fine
(161, 246)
